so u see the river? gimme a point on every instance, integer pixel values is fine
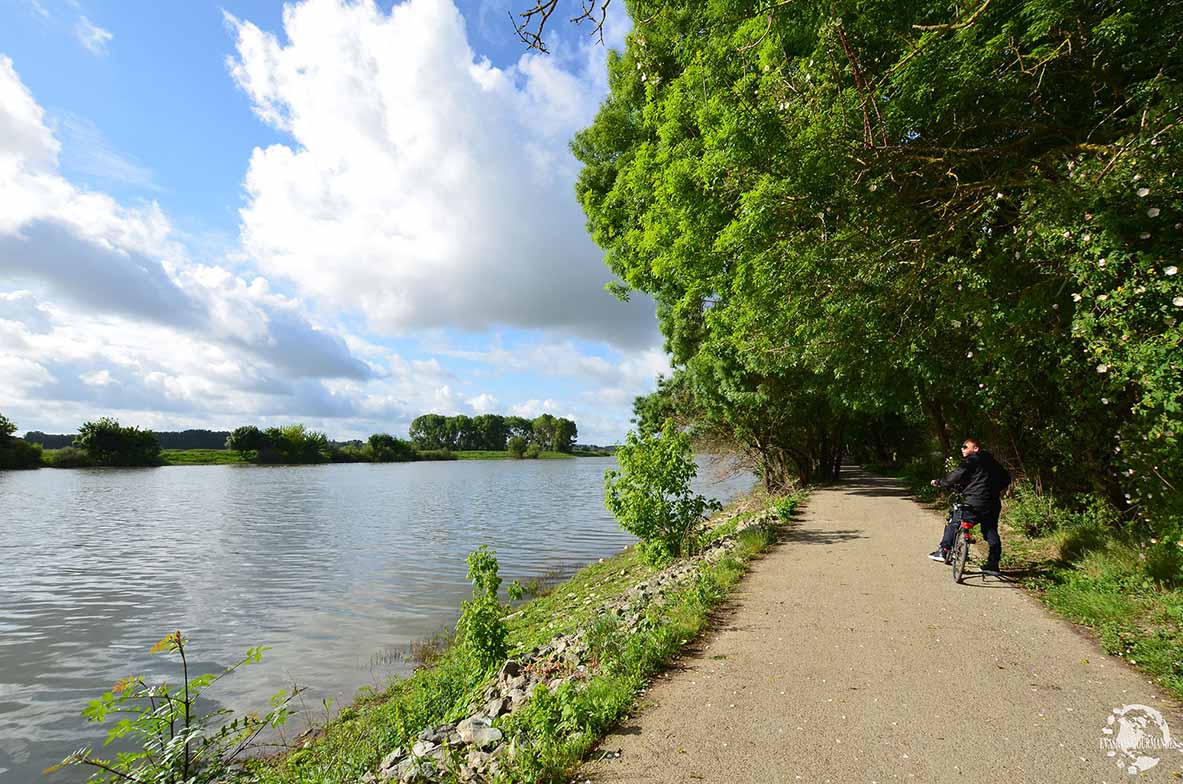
(337, 568)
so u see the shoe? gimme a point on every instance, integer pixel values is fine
(939, 555)
(991, 569)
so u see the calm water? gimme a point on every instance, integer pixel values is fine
(337, 568)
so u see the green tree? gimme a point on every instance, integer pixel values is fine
(481, 628)
(107, 443)
(650, 495)
(564, 435)
(16, 452)
(429, 431)
(491, 431)
(247, 440)
(517, 447)
(385, 448)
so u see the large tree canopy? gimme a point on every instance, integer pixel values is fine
(859, 215)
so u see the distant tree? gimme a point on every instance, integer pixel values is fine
(533, 452)
(461, 432)
(107, 443)
(245, 440)
(517, 447)
(429, 431)
(518, 426)
(543, 431)
(491, 430)
(294, 444)
(49, 440)
(15, 452)
(565, 433)
(385, 448)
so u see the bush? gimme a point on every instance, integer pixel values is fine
(1033, 513)
(516, 447)
(533, 452)
(351, 453)
(68, 457)
(177, 744)
(481, 628)
(385, 448)
(650, 496)
(107, 443)
(17, 453)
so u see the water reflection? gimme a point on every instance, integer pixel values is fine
(335, 567)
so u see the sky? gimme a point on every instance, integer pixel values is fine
(341, 213)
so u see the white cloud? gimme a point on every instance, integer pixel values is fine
(93, 37)
(87, 150)
(533, 408)
(423, 186)
(483, 403)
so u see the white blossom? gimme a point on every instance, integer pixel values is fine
(1076, 298)
(1177, 302)
(1153, 212)
(1171, 270)
(1102, 368)
(1143, 192)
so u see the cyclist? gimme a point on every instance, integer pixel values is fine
(981, 480)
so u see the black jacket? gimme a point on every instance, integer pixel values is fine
(981, 480)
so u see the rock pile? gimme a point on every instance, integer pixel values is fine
(472, 748)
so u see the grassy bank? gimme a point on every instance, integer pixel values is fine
(200, 457)
(1079, 560)
(555, 729)
(503, 455)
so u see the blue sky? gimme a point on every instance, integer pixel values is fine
(344, 216)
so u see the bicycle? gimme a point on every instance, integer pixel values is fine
(958, 555)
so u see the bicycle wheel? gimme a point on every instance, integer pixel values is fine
(960, 556)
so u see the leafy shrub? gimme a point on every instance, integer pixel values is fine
(516, 447)
(385, 448)
(533, 452)
(107, 443)
(17, 453)
(177, 745)
(68, 457)
(481, 628)
(351, 453)
(1033, 513)
(650, 496)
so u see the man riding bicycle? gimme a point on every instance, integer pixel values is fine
(981, 480)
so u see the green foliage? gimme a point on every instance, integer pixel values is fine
(385, 448)
(176, 744)
(517, 447)
(66, 457)
(247, 440)
(200, 457)
(1033, 513)
(434, 454)
(533, 452)
(872, 228)
(491, 432)
(650, 496)
(481, 628)
(107, 443)
(15, 452)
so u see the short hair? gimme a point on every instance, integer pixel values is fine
(971, 440)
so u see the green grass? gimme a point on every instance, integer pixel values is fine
(1090, 575)
(200, 457)
(489, 454)
(555, 730)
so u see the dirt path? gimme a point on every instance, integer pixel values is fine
(835, 663)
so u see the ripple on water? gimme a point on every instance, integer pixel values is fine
(337, 568)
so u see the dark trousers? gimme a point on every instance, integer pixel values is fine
(986, 520)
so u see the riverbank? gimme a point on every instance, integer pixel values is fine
(188, 457)
(580, 656)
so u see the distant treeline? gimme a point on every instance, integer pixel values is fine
(168, 439)
(493, 432)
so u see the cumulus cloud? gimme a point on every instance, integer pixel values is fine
(423, 186)
(93, 37)
(87, 249)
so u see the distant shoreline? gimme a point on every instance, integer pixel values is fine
(192, 457)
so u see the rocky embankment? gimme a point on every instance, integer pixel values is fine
(473, 749)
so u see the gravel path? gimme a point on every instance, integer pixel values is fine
(836, 661)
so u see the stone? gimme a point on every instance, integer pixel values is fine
(494, 707)
(391, 759)
(478, 731)
(517, 682)
(516, 698)
(511, 669)
(435, 734)
(369, 778)
(422, 747)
